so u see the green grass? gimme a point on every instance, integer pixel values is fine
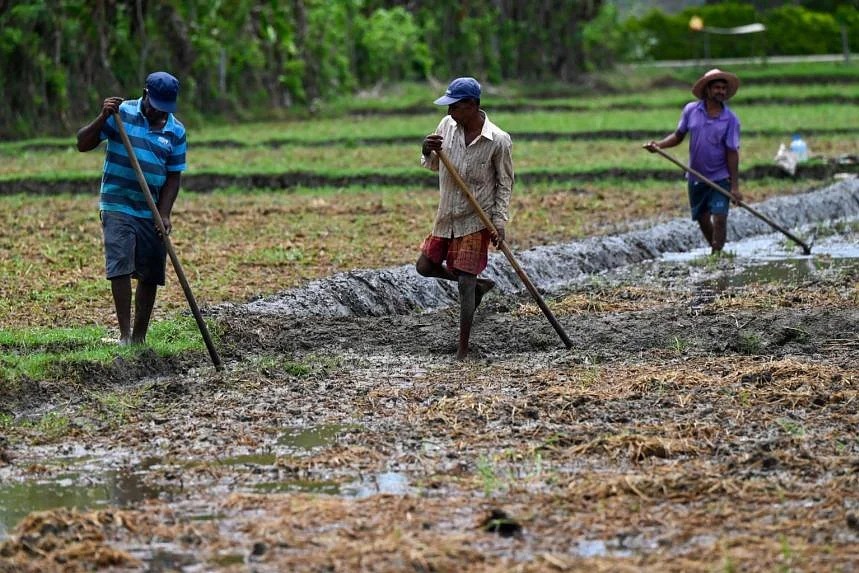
(353, 129)
(36, 353)
(637, 81)
(403, 160)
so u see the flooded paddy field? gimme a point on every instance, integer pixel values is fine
(704, 420)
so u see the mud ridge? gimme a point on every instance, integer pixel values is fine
(627, 134)
(521, 107)
(400, 290)
(207, 182)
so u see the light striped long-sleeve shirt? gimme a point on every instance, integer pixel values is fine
(486, 165)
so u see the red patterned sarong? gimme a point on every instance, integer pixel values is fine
(468, 254)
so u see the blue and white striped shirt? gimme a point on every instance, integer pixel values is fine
(157, 151)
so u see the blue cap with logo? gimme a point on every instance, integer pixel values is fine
(460, 88)
(163, 90)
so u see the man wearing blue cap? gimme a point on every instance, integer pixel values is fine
(457, 249)
(132, 245)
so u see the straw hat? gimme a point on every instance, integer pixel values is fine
(716, 74)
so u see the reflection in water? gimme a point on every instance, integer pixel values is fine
(311, 486)
(785, 271)
(764, 259)
(304, 438)
(249, 459)
(121, 489)
(599, 548)
(393, 483)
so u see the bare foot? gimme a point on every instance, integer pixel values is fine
(483, 287)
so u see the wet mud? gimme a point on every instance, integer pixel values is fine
(705, 417)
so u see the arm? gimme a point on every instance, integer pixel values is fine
(670, 140)
(89, 135)
(167, 197)
(503, 164)
(432, 142)
(732, 156)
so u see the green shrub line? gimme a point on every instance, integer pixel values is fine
(288, 180)
(771, 115)
(40, 353)
(64, 146)
(625, 83)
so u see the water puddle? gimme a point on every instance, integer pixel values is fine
(228, 559)
(304, 438)
(90, 486)
(392, 483)
(249, 460)
(599, 548)
(789, 271)
(72, 490)
(298, 485)
(769, 259)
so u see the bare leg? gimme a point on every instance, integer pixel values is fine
(467, 287)
(483, 287)
(121, 289)
(144, 302)
(706, 226)
(427, 268)
(720, 232)
(471, 291)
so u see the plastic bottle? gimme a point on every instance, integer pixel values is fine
(799, 147)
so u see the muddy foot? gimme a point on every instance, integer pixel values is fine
(483, 287)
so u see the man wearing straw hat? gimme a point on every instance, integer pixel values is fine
(457, 248)
(714, 152)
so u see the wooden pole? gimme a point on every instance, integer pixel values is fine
(177, 266)
(502, 246)
(805, 248)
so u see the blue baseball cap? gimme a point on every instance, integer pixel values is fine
(163, 90)
(460, 88)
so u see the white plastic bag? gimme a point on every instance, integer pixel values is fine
(786, 159)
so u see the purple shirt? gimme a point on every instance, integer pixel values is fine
(710, 138)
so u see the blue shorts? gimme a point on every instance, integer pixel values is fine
(132, 247)
(703, 198)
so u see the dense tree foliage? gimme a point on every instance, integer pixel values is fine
(58, 58)
(237, 58)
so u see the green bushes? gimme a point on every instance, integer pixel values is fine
(789, 30)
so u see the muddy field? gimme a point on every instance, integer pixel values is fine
(705, 420)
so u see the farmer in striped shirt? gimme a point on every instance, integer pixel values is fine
(132, 245)
(457, 248)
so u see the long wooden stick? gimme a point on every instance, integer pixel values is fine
(502, 246)
(177, 266)
(805, 248)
